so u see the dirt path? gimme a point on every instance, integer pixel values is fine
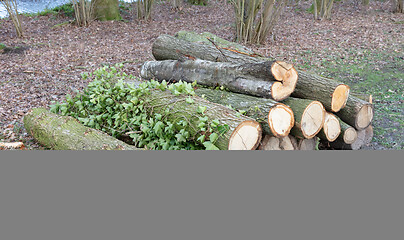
(47, 64)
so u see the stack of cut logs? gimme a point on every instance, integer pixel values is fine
(287, 109)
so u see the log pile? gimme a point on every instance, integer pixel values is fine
(266, 104)
(297, 110)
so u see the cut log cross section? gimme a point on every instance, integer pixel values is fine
(309, 116)
(246, 136)
(331, 129)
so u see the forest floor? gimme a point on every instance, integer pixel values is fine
(361, 48)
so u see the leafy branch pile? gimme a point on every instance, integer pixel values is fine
(125, 110)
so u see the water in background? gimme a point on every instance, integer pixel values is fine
(34, 6)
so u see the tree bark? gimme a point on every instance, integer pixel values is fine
(210, 39)
(66, 133)
(309, 116)
(357, 113)
(275, 118)
(332, 94)
(105, 10)
(257, 79)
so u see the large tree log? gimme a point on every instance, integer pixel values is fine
(331, 129)
(244, 133)
(168, 47)
(332, 94)
(309, 116)
(274, 80)
(276, 119)
(66, 133)
(357, 113)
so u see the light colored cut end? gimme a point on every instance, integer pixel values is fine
(308, 144)
(286, 143)
(279, 68)
(281, 119)
(246, 136)
(12, 145)
(364, 116)
(332, 128)
(269, 143)
(339, 97)
(350, 135)
(360, 140)
(287, 75)
(312, 119)
(368, 135)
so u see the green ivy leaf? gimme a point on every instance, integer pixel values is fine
(201, 109)
(189, 100)
(213, 137)
(210, 146)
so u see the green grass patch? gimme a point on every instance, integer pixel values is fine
(380, 74)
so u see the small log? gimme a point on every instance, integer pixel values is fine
(331, 129)
(269, 143)
(66, 133)
(348, 133)
(309, 116)
(308, 144)
(331, 93)
(356, 145)
(12, 145)
(274, 80)
(357, 113)
(275, 118)
(288, 143)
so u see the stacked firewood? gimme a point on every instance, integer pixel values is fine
(296, 110)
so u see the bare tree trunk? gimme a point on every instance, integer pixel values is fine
(11, 7)
(105, 10)
(398, 6)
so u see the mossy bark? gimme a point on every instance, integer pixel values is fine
(66, 133)
(105, 10)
